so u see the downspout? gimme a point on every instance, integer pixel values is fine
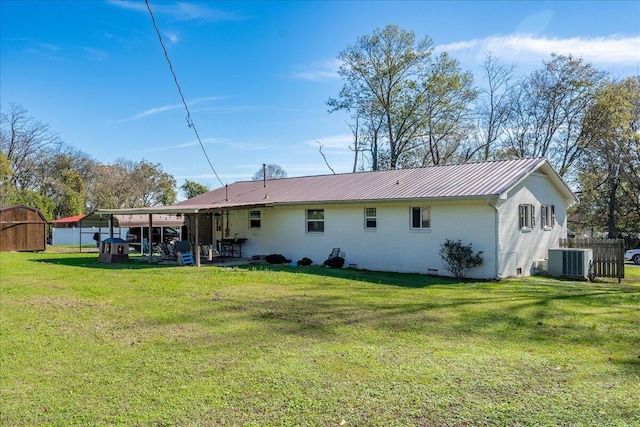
(496, 226)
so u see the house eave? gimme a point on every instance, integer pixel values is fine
(473, 198)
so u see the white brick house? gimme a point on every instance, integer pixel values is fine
(512, 210)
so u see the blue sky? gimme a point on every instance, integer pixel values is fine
(256, 75)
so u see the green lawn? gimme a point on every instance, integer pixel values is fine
(89, 344)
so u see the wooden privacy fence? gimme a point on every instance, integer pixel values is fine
(608, 255)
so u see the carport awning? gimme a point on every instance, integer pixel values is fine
(159, 220)
(101, 219)
(179, 209)
(150, 210)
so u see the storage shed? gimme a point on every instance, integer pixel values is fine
(22, 229)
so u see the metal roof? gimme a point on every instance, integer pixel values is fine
(463, 181)
(470, 180)
(68, 219)
(124, 218)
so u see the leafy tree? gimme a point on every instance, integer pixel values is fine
(152, 186)
(5, 169)
(108, 188)
(32, 199)
(64, 178)
(409, 106)
(382, 74)
(192, 189)
(6, 188)
(272, 171)
(126, 184)
(447, 117)
(70, 192)
(610, 172)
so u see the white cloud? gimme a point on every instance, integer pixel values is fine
(164, 108)
(168, 147)
(333, 142)
(610, 50)
(49, 47)
(129, 5)
(173, 37)
(95, 54)
(319, 70)
(153, 111)
(236, 147)
(180, 11)
(535, 23)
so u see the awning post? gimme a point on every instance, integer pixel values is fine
(197, 251)
(150, 238)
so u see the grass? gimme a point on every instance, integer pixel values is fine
(83, 343)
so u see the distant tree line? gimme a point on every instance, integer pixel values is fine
(411, 107)
(408, 107)
(37, 169)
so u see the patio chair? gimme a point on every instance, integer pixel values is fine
(210, 253)
(182, 246)
(167, 251)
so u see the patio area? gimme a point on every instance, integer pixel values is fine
(204, 260)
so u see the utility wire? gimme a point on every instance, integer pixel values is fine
(190, 122)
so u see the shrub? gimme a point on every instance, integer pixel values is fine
(305, 261)
(458, 258)
(335, 262)
(276, 259)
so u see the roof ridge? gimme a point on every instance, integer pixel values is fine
(475, 162)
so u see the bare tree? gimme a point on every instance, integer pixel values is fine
(326, 162)
(367, 129)
(550, 107)
(270, 171)
(495, 103)
(25, 142)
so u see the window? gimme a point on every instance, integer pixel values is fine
(527, 217)
(315, 221)
(547, 217)
(254, 219)
(370, 218)
(421, 217)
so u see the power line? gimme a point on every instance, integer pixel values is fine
(190, 122)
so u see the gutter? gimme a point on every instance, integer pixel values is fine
(390, 200)
(493, 204)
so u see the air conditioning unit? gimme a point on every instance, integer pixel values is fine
(573, 262)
